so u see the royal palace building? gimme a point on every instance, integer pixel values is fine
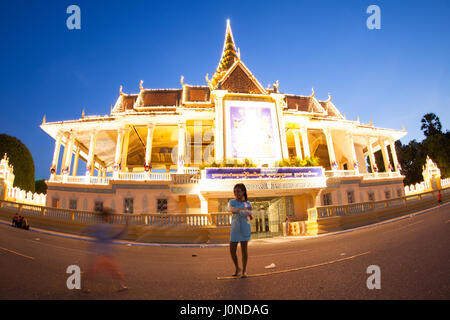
(182, 150)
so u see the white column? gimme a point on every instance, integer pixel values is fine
(373, 164)
(385, 155)
(63, 162)
(279, 98)
(118, 154)
(305, 141)
(330, 146)
(56, 152)
(90, 162)
(298, 149)
(197, 157)
(394, 155)
(355, 163)
(75, 161)
(69, 154)
(181, 147)
(126, 140)
(219, 137)
(203, 204)
(148, 148)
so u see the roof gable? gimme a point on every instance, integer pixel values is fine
(239, 79)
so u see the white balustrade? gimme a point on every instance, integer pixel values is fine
(340, 173)
(160, 176)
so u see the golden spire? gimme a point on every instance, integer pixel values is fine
(229, 56)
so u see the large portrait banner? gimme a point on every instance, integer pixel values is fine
(252, 131)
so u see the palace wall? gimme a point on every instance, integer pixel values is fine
(353, 189)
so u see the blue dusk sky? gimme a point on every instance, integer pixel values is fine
(392, 76)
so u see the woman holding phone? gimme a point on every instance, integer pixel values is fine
(240, 227)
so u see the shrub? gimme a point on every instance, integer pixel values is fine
(21, 159)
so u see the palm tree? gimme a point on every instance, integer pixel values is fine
(431, 124)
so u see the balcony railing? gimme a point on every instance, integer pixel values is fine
(144, 176)
(350, 173)
(381, 175)
(185, 178)
(193, 176)
(340, 173)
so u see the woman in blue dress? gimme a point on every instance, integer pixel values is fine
(240, 227)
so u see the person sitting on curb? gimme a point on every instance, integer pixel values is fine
(24, 224)
(15, 221)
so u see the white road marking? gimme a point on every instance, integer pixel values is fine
(17, 253)
(297, 269)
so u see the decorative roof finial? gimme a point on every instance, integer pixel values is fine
(313, 93)
(228, 58)
(120, 90)
(82, 113)
(329, 97)
(43, 119)
(276, 85)
(181, 80)
(140, 85)
(207, 80)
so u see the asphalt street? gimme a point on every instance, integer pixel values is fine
(412, 254)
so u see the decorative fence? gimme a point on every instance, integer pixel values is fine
(358, 208)
(87, 217)
(445, 182)
(29, 197)
(418, 188)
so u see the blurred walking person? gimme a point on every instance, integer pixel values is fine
(104, 234)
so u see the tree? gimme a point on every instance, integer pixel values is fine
(40, 186)
(431, 125)
(412, 157)
(21, 159)
(437, 146)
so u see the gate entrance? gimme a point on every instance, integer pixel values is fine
(268, 215)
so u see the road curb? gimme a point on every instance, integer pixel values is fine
(406, 216)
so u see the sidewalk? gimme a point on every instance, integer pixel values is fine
(279, 239)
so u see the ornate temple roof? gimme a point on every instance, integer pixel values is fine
(231, 75)
(304, 104)
(330, 108)
(228, 58)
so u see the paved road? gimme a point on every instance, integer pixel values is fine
(412, 253)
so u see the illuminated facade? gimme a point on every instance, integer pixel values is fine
(159, 150)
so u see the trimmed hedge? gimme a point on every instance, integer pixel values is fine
(21, 159)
